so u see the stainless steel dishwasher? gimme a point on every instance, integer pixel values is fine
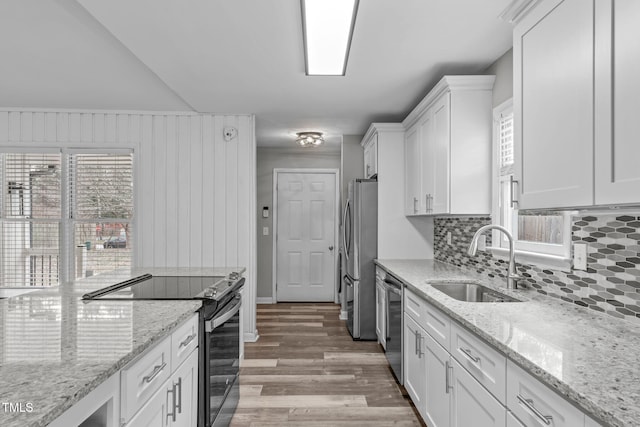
(393, 289)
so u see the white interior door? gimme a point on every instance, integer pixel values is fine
(305, 240)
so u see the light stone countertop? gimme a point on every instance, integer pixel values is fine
(56, 348)
(590, 358)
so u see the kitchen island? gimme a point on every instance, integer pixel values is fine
(589, 358)
(56, 348)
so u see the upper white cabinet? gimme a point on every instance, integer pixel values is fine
(448, 149)
(575, 94)
(370, 145)
(617, 98)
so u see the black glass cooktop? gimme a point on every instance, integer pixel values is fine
(148, 287)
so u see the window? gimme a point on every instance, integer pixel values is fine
(540, 235)
(64, 214)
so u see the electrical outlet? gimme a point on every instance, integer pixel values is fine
(580, 256)
(448, 237)
(265, 231)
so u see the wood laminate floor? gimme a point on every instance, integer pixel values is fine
(305, 370)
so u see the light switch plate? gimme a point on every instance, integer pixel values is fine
(265, 231)
(580, 256)
(448, 237)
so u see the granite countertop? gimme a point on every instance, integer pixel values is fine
(588, 357)
(56, 348)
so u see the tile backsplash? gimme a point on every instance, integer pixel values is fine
(611, 283)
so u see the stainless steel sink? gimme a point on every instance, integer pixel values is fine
(473, 292)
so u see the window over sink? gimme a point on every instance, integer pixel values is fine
(64, 214)
(541, 237)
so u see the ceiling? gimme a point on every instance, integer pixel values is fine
(240, 56)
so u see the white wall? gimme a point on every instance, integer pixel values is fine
(502, 68)
(195, 192)
(267, 160)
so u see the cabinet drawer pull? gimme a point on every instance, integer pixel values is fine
(447, 376)
(178, 406)
(156, 371)
(187, 341)
(420, 352)
(172, 390)
(528, 404)
(416, 341)
(469, 355)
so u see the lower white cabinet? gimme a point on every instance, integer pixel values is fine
(438, 389)
(415, 379)
(469, 383)
(471, 403)
(154, 412)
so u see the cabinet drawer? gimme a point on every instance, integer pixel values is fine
(534, 404)
(142, 378)
(428, 317)
(183, 340)
(484, 363)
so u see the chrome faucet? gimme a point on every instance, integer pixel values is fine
(512, 277)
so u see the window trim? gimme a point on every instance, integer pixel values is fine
(541, 254)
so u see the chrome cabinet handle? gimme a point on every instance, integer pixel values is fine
(156, 371)
(415, 200)
(187, 341)
(528, 404)
(178, 407)
(368, 168)
(420, 352)
(512, 185)
(172, 390)
(447, 380)
(416, 340)
(470, 356)
(331, 247)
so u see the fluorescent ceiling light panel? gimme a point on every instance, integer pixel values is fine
(327, 27)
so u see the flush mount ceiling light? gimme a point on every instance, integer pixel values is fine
(327, 27)
(309, 139)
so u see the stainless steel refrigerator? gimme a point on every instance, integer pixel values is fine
(360, 246)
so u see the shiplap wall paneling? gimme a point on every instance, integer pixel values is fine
(208, 190)
(220, 211)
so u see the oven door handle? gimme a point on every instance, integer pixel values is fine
(225, 316)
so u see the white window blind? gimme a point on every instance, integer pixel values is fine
(101, 208)
(31, 218)
(505, 143)
(64, 215)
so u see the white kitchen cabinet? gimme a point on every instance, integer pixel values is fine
(154, 412)
(448, 149)
(413, 177)
(553, 104)
(512, 421)
(381, 309)
(617, 96)
(576, 94)
(438, 391)
(185, 381)
(471, 404)
(371, 156)
(415, 378)
(535, 404)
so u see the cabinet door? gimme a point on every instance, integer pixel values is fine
(471, 404)
(440, 150)
(428, 160)
(437, 390)
(414, 363)
(412, 172)
(185, 406)
(553, 104)
(618, 102)
(154, 412)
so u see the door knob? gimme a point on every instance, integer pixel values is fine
(331, 247)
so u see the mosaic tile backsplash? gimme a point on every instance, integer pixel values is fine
(611, 283)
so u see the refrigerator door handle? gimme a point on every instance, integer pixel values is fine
(345, 242)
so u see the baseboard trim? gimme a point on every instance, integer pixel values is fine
(344, 315)
(251, 336)
(265, 300)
